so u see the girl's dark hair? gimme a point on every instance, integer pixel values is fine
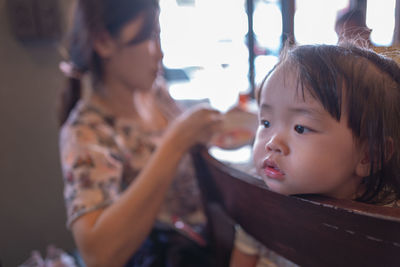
(370, 83)
(90, 18)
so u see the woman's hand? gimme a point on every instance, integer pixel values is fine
(195, 126)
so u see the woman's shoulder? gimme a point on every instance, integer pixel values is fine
(86, 113)
(86, 122)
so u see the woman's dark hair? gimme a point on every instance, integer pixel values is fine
(91, 17)
(370, 83)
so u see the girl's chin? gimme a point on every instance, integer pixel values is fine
(277, 187)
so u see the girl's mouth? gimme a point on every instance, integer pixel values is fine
(271, 170)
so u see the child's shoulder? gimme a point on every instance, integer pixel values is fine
(393, 204)
(389, 51)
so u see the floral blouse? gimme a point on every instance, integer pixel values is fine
(250, 246)
(101, 154)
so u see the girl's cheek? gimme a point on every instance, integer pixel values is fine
(257, 153)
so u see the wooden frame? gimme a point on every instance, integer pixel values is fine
(308, 230)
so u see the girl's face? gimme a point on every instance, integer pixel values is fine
(135, 66)
(299, 148)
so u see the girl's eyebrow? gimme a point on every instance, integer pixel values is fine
(265, 107)
(309, 111)
(306, 111)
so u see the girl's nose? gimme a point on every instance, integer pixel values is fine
(277, 145)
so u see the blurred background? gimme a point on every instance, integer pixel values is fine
(214, 50)
(210, 52)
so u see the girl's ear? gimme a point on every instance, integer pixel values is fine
(363, 167)
(104, 45)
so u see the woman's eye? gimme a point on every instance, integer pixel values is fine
(265, 123)
(155, 36)
(301, 129)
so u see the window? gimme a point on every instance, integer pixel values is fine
(381, 19)
(267, 26)
(205, 42)
(205, 52)
(314, 21)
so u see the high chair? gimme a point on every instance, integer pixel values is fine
(308, 230)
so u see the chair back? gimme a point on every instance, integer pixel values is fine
(308, 230)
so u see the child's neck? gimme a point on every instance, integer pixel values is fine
(351, 190)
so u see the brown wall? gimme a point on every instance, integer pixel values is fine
(32, 211)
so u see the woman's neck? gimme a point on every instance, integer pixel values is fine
(117, 100)
(130, 104)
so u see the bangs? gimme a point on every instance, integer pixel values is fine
(148, 29)
(117, 15)
(320, 75)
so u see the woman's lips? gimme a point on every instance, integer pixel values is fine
(271, 170)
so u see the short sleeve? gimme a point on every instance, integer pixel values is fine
(245, 243)
(268, 258)
(92, 169)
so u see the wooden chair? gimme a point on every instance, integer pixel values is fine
(308, 230)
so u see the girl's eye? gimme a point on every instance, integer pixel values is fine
(265, 123)
(301, 129)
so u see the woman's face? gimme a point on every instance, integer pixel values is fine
(134, 66)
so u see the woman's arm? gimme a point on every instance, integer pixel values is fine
(246, 250)
(241, 259)
(109, 237)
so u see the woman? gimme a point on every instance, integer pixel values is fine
(123, 158)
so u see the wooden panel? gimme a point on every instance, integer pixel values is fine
(396, 34)
(309, 230)
(35, 19)
(48, 19)
(22, 18)
(288, 10)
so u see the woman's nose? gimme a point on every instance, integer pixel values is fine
(159, 52)
(277, 145)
